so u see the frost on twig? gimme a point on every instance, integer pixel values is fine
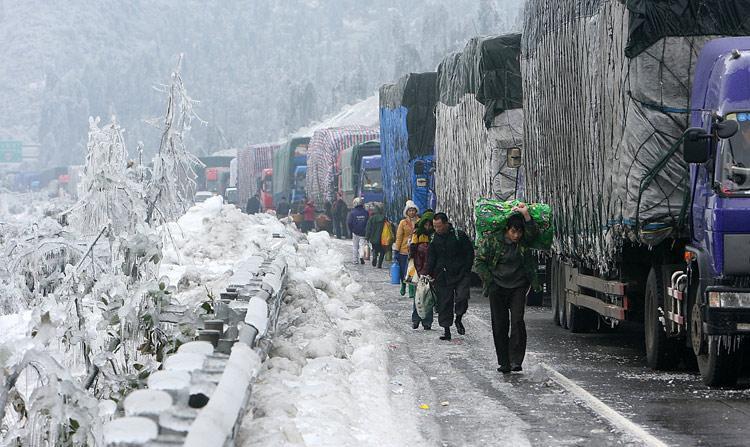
(172, 183)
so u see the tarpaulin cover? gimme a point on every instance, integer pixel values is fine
(322, 153)
(417, 93)
(487, 68)
(394, 152)
(471, 159)
(652, 20)
(407, 131)
(597, 125)
(282, 166)
(423, 182)
(492, 216)
(251, 161)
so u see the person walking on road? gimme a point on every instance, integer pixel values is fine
(308, 217)
(449, 261)
(357, 224)
(253, 204)
(418, 249)
(507, 268)
(340, 212)
(403, 235)
(283, 208)
(373, 233)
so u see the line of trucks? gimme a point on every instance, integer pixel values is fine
(633, 122)
(631, 119)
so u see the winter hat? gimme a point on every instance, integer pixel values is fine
(427, 216)
(357, 202)
(410, 204)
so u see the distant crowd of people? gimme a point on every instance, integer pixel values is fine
(430, 247)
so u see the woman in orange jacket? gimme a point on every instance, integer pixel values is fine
(403, 235)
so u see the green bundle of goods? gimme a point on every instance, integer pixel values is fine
(492, 216)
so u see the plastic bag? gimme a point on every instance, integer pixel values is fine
(424, 300)
(386, 237)
(411, 272)
(364, 251)
(492, 216)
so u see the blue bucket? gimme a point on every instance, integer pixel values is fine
(395, 273)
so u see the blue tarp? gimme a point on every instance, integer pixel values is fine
(423, 182)
(407, 132)
(394, 153)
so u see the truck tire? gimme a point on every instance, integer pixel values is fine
(555, 289)
(719, 364)
(661, 352)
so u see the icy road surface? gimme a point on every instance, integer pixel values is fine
(347, 369)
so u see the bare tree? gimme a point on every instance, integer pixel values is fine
(172, 183)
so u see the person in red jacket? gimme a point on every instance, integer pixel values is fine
(308, 222)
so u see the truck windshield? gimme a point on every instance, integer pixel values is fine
(372, 180)
(733, 158)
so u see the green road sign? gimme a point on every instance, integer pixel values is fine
(11, 152)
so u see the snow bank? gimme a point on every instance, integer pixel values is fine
(202, 249)
(327, 381)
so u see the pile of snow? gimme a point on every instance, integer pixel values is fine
(204, 246)
(327, 380)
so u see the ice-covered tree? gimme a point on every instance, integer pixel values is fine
(110, 196)
(172, 183)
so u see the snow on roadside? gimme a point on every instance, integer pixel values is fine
(203, 246)
(327, 381)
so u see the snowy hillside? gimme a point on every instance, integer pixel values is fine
(262, 69)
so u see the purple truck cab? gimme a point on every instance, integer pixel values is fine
(718, 251)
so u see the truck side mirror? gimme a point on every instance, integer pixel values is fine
(726, 129)
(513, 158)
(695, 145)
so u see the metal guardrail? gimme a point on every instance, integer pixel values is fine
(201, 394)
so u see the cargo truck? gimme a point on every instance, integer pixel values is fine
(350, 165)
(639, 138)
(290, 163)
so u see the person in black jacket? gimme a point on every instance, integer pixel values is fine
(340, 215)
(449, 261)
(253, 204)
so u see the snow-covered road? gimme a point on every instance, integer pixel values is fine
(347, 369)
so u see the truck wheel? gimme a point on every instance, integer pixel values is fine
(555, 289)
(719, 363)
(661, 352)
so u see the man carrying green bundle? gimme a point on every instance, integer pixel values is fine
(507, 268)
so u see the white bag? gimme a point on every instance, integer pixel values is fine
(424, 299)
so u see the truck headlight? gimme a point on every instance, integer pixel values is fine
(729, 299)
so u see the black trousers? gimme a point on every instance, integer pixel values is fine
(378, 254)
(450, 297)
(339, 228)
(507, 307)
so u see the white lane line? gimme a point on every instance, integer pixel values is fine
(617, 420)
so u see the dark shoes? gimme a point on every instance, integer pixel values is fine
(415, 325)
(459, 325)
(516, 368)
(362, 261)
(447, 335)
(428, 328)
(504, 369)
(403, 288)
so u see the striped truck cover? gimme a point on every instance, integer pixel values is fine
(251, 161)
(324, 148)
